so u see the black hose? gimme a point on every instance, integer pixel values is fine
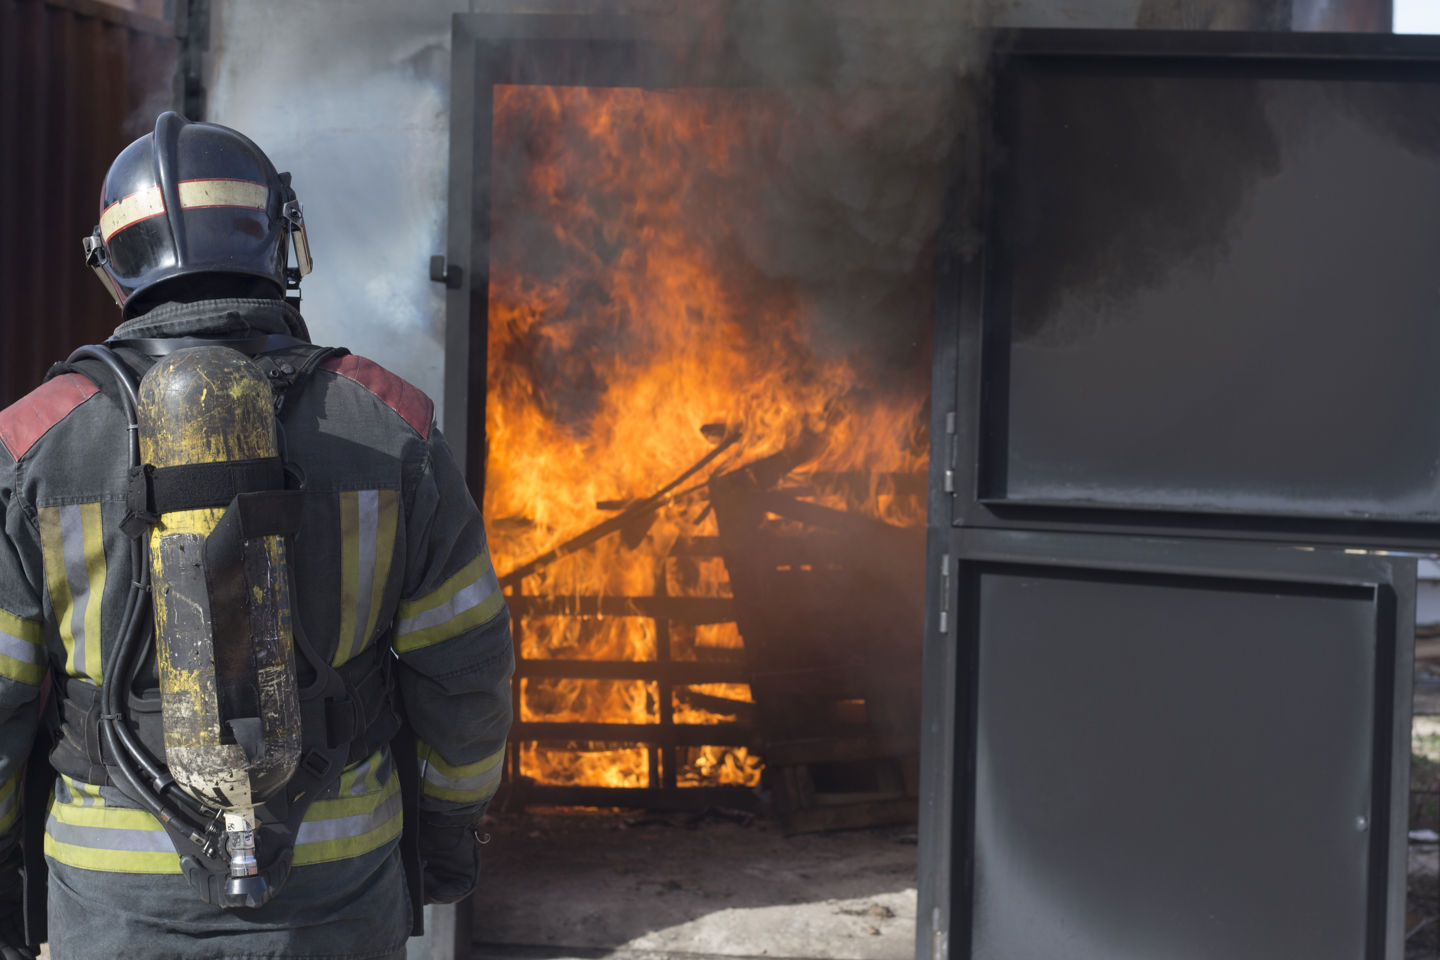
(124, 748)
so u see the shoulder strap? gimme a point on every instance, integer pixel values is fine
(164, 346)
(290, 371)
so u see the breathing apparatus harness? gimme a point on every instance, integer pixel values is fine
(210, 518)
(110, 735)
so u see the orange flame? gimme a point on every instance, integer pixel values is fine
(623, 319)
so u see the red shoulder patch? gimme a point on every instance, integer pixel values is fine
(31, 417)
(410, 402)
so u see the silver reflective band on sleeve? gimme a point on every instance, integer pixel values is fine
(467, 599)
(17, 649)
(343, 828)
(472, 784)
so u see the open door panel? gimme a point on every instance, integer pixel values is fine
(1177, 748)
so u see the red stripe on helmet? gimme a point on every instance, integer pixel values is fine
(31, 417)
(410, 402)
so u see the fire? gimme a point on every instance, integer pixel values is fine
(631, 338)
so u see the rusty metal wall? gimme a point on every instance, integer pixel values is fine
(80, 80)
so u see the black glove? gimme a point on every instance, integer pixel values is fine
(12, 910)
(450, 854)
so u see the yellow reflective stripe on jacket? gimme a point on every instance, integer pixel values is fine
(349, 826)
(22, 649)
(467, 783)
(83, 831)
(465, 601)
(368, 520)
(10, 800)
(75, 575)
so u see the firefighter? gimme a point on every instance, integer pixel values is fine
(247, 611)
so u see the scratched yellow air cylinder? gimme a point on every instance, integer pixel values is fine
(224, 646)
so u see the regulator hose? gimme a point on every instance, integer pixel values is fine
(141, 776)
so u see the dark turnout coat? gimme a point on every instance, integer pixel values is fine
(390, 561)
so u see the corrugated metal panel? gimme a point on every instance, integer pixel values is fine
(80, 81)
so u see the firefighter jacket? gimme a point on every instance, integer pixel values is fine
(391, 556)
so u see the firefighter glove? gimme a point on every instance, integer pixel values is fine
(450, 852)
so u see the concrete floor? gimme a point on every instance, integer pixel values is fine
(582, 885)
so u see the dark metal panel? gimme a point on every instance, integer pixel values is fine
(82, 80)
(1164, 747)
(1193, 414)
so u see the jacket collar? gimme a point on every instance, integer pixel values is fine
(216, 318)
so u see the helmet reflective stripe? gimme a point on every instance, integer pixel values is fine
(84, 831)
(194, 194)
(467, 783)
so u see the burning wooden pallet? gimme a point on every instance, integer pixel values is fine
(823, 598)
(676, 679)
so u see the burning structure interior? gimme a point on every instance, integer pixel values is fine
(698, 304)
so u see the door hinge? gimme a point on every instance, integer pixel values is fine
(950, 462)
(944, 593)
(939, 939)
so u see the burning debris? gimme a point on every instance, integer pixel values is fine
(708, 477)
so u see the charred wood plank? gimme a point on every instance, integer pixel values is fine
(693, 610)
(675, 671)
(742, 710)
(637, 512)
(680, 735)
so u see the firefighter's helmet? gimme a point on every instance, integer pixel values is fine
(197, 203)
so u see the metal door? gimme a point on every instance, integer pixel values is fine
(1183, 421)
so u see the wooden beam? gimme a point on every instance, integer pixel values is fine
(682, 735)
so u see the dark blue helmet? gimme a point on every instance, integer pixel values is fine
(195, 203)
